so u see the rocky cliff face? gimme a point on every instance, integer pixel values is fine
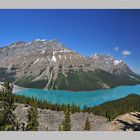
(36, 58)
(39, 64)
(110, 64)
(51, 120)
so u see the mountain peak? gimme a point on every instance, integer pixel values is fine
(42, 40)
(116, 62)
(18, 44)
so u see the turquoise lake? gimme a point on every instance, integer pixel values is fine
(88, 98)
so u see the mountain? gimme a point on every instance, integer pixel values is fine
(110, 64)
(49, 64)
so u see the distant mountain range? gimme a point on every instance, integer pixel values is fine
(49, 64)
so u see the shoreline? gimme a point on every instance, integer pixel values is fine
(75, 91)
(16, 88)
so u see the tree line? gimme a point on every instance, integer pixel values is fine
(46, 105)
(113, 109)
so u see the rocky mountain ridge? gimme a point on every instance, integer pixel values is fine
(48, 64)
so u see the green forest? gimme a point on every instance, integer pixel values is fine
(112, 109)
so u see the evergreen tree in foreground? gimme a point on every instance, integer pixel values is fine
(60, 128)
(7, 119)
(66, 123)
(32, 123)
(87, 125)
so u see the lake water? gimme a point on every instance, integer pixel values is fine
(88, 98)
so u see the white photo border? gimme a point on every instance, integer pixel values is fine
(70, 4)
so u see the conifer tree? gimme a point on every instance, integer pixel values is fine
(87, 125)
(66, 123)
(60, 128)
(8, 119)
(32, 123)
(23, 127)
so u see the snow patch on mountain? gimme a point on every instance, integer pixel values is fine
(116, 62)
(59, 57)
(43, 51)
(37, 60)
(53, 58)
(133, 77)
(43, 40)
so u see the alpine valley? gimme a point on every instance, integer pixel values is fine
(48, 64)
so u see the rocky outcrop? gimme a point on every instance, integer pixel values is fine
(51, 120)
(110, 64)
(98, 123)
(127, 122)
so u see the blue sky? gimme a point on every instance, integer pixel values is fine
(115, 32)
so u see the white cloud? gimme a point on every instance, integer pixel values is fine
(126, 53)
(116, 48)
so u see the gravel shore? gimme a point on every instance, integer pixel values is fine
(16, 88)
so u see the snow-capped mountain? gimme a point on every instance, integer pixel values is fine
(110, 64)
(49, 64)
